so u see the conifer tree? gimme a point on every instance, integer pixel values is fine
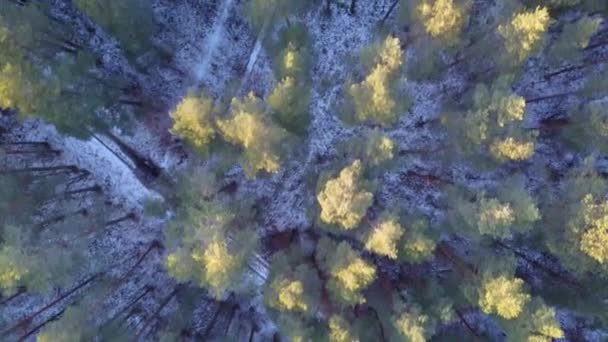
(524, 34)
(349, 274)
(512, 210)
(373, 147)
(261, 141)
(65, 93)
(263, 11)
(292, 288)
(536, 324)
(417, 243)
(344, 200)
(413, 326)
(289, 105)
(502, 295)
(374, 100)
(206, 243)
(192, 121)
(493, 125)
(384, 237)
(340, 330)
(131, 22)
(441, 19)
(573, 39)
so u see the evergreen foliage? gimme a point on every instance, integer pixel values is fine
(524, 34)
(260, 139)
(348, 273)
(374, 100)
(192, 121)
(130, 21)
(493, 125)
(344, 200)
(574, 38)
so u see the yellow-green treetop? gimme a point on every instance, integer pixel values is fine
(591, 225)
(349, 275)
(417, 245)
(217, 264)
(384, 237)
(293, 62)
(192, 120)
(524, 34)
(13, 270)
(374, 99)
(536, 324)
(259, 138)
(374, 147)
(544, 323)
(503, 295)
(511, 149)
(288, 103)
(494, 123)
(442, 19)
(289, 295)
(344, 199)
(413, 326)
(340, 330)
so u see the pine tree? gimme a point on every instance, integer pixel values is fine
(340, 330)
(503, 296)
(493, 125)
(132, 22)
(417, 244)
(192, 121)
(374, 100)
(413, 326)
(536, 324)
(344, 200)
(524, 34)
(288, 103)
(64, 90)
(512, 210)
(261, 140)
(442, 19)
(263, 11)
(349, 275)
(574, 38)
(373, 147)
(384, 237)
(205, 242)
(292, 288)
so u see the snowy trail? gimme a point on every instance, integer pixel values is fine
(212, 40)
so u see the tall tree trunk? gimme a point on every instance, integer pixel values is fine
(25, 321)
(69, 168)
(390, 10)
(164, 303)
(41, 325)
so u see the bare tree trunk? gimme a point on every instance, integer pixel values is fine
(69, 168)
(19, 292)
(157, 312)
(390, 10)
(129, 216)
(549, 97)
(37, 327)
(154, 245)
(25, 321)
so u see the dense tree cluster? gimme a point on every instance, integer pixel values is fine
(483, 213)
